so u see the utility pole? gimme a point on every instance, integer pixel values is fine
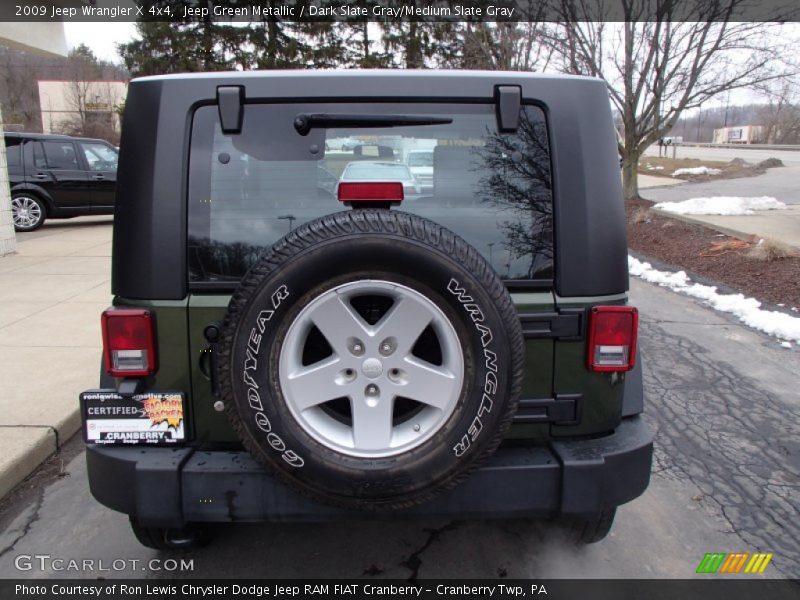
(289, 218)
(699, 115)
(727, 103)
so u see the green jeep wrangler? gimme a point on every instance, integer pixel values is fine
(304, 328)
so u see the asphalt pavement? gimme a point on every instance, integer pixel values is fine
(782, 183)
(52, 292)
(722, 398)
(748, 153)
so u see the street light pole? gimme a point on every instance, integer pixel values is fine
(727, 103)
(697, 130)
(290, 218)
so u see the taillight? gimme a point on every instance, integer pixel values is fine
(370, 191)
(129, 342)
(612, 338)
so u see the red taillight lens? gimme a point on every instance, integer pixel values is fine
(372, 191)
(129, 342)
(612, 338)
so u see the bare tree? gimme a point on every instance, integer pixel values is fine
(780, 117)
(504, 46)
(89, 97)
(18, 93)
(658, 64)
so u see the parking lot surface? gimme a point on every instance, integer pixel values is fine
(52, 292)
(722, 398)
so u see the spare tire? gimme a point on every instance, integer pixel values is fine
(371, 359)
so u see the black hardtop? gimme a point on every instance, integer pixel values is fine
(149, 248)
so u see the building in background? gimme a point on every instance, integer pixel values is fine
(45, 38)
(741, 134)
(89, 108)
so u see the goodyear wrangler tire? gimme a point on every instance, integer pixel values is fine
(371, 359)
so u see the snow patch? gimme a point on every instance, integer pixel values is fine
(747, 310)
(696, 171)
(721, 205)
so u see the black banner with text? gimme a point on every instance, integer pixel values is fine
(361, 589)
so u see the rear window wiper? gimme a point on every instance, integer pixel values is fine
(305, 122)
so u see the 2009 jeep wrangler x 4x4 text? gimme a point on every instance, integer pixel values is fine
(303, 328)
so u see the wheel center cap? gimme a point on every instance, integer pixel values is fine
(372, 368)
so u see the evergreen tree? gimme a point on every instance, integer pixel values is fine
(205, 44)
(179, 46)
(421, 44)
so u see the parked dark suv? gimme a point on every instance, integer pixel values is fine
(281, 348)
(58, 177)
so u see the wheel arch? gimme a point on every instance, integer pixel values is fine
(38, 192)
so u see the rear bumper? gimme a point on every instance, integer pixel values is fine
(168, 487)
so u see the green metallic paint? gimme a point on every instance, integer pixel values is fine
(210, 425)
(601, 409)
(551, 367)
(172, 331)
(538, 381)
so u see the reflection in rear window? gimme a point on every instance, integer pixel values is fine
(367, 170)
(246, 191)
(420, 159)
(13, 158)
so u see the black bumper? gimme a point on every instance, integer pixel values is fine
(168, 487)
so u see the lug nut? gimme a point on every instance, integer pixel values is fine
(416, 427)
(387, 346)
(371, 395)
(355, 345)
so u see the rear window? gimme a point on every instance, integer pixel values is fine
(13, 157)
(420, 159)
(248, 190)
(376, 171)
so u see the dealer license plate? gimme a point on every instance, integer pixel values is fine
(153, 418)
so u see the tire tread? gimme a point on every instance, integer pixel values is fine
(375, 221)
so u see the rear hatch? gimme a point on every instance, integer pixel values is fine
(249, 189)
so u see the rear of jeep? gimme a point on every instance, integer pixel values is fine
(301, 331)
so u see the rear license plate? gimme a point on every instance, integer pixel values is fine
(155, 418)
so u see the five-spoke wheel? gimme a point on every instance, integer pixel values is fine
(390, 373)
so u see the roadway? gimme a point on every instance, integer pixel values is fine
(754, 155)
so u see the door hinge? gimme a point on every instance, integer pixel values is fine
(564, 325)
(230, 102)
(564, 409)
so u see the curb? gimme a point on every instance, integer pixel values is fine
(723, 288)
(730, 231)
(36, 444)
(722, 229)
(26, 447)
